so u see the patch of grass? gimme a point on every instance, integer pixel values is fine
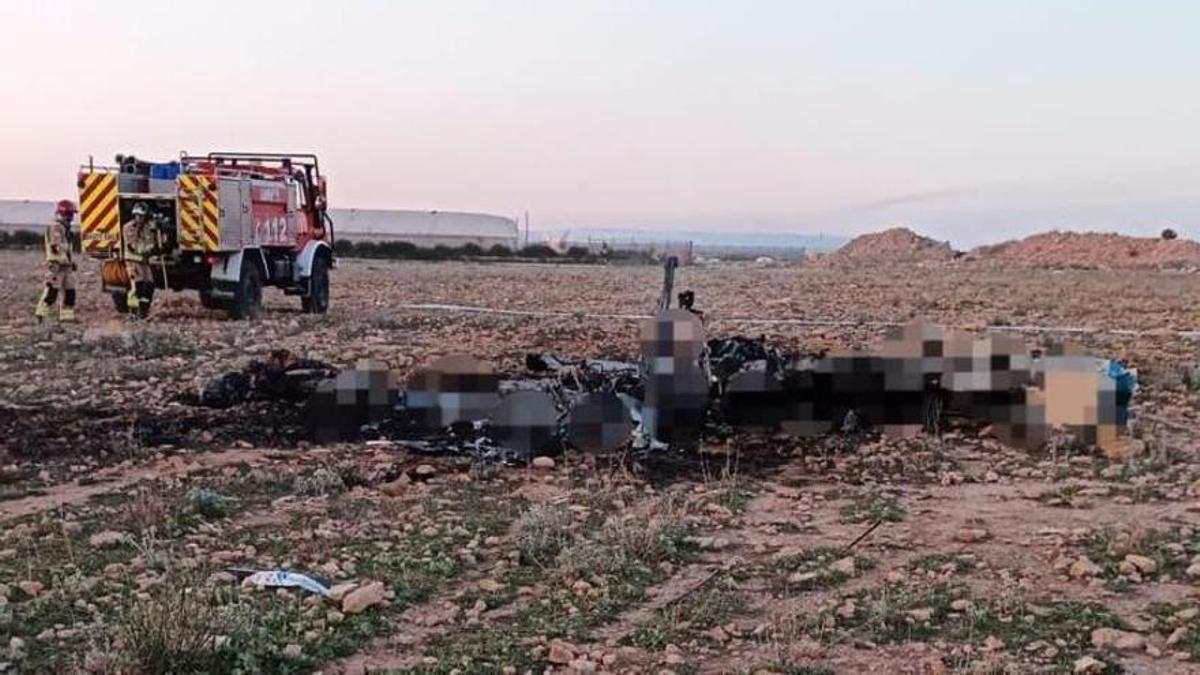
(50, 554)
(619, 559)
(631, 542)
(1141, 494)
(188, 629)
(414, 571)
(869, 506)
(478, 651)
(175, 632)
(810, 569)
(30, 617)
(543, 531)
(153, 344)
(1065, 496)
(942, 563)
(1172, 549)
(1170, 617)
(319, 483)
(152, 508)
(522, 575)
(1144, 467)
(715, 605)
(262, 626)
(1060, 631)
(485, 513)
(573, 618)
(207, 504)
(734, 492)
(260, 485)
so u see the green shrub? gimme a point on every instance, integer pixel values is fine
(207, 504)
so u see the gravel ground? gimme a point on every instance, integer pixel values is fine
(117, 493)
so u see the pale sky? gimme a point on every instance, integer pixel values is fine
(968, 120)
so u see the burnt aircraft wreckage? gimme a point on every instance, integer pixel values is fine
(686, 388)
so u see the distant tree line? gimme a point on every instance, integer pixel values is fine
(403, 250)
(20, 239)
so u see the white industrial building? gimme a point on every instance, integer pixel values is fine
(423, 228)
(25, 214)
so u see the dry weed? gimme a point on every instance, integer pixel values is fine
(177, 631)
(543, 531)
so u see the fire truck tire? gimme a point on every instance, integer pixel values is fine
(247, 300)
(209, 302)
(317, 300)
(120, 302)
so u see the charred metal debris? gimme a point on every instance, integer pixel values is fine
(685, 389)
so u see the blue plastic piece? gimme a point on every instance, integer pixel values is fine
(1126, 383)
(283, 578)
(166, 171)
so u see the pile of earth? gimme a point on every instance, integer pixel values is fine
(898, 244)
(1091, 250)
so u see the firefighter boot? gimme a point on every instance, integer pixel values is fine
(49, 296)
(145, 296)
(67, 311)
(132, 301)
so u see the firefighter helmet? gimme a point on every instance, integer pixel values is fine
(65, 209)
(140, 209)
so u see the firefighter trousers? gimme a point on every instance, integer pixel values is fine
(60, 278)
(141, 287)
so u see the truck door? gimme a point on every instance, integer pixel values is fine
(235, 210)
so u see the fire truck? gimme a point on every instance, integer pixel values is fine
(227, 224)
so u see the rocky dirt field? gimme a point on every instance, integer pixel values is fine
(126, 512)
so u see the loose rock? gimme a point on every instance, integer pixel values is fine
(972, 535)
(1117, 640)
(362, 599)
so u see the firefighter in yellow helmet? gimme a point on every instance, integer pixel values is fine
(60, 266)
(138, 244)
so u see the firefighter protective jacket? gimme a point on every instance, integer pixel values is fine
(58, 244)
(139, 239)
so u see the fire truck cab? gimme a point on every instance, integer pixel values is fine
(227, 225)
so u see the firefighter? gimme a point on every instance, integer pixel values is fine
(139, 242)
(59, 265)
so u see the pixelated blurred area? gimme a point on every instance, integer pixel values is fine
(340, 407)
(919, 379)
(920, 375)
(677, 380)
(599, 422)
(453, 389)
(526, 423)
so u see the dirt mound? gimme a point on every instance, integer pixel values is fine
(898, 244)
(1092, 250)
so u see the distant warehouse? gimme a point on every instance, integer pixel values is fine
(25, 214)
(422, 228)
(425, 228)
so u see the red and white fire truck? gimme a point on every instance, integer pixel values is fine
(228, 224)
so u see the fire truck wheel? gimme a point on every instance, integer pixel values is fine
(317, 301)
(247, 300)
(120, 302)
(209, 302)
